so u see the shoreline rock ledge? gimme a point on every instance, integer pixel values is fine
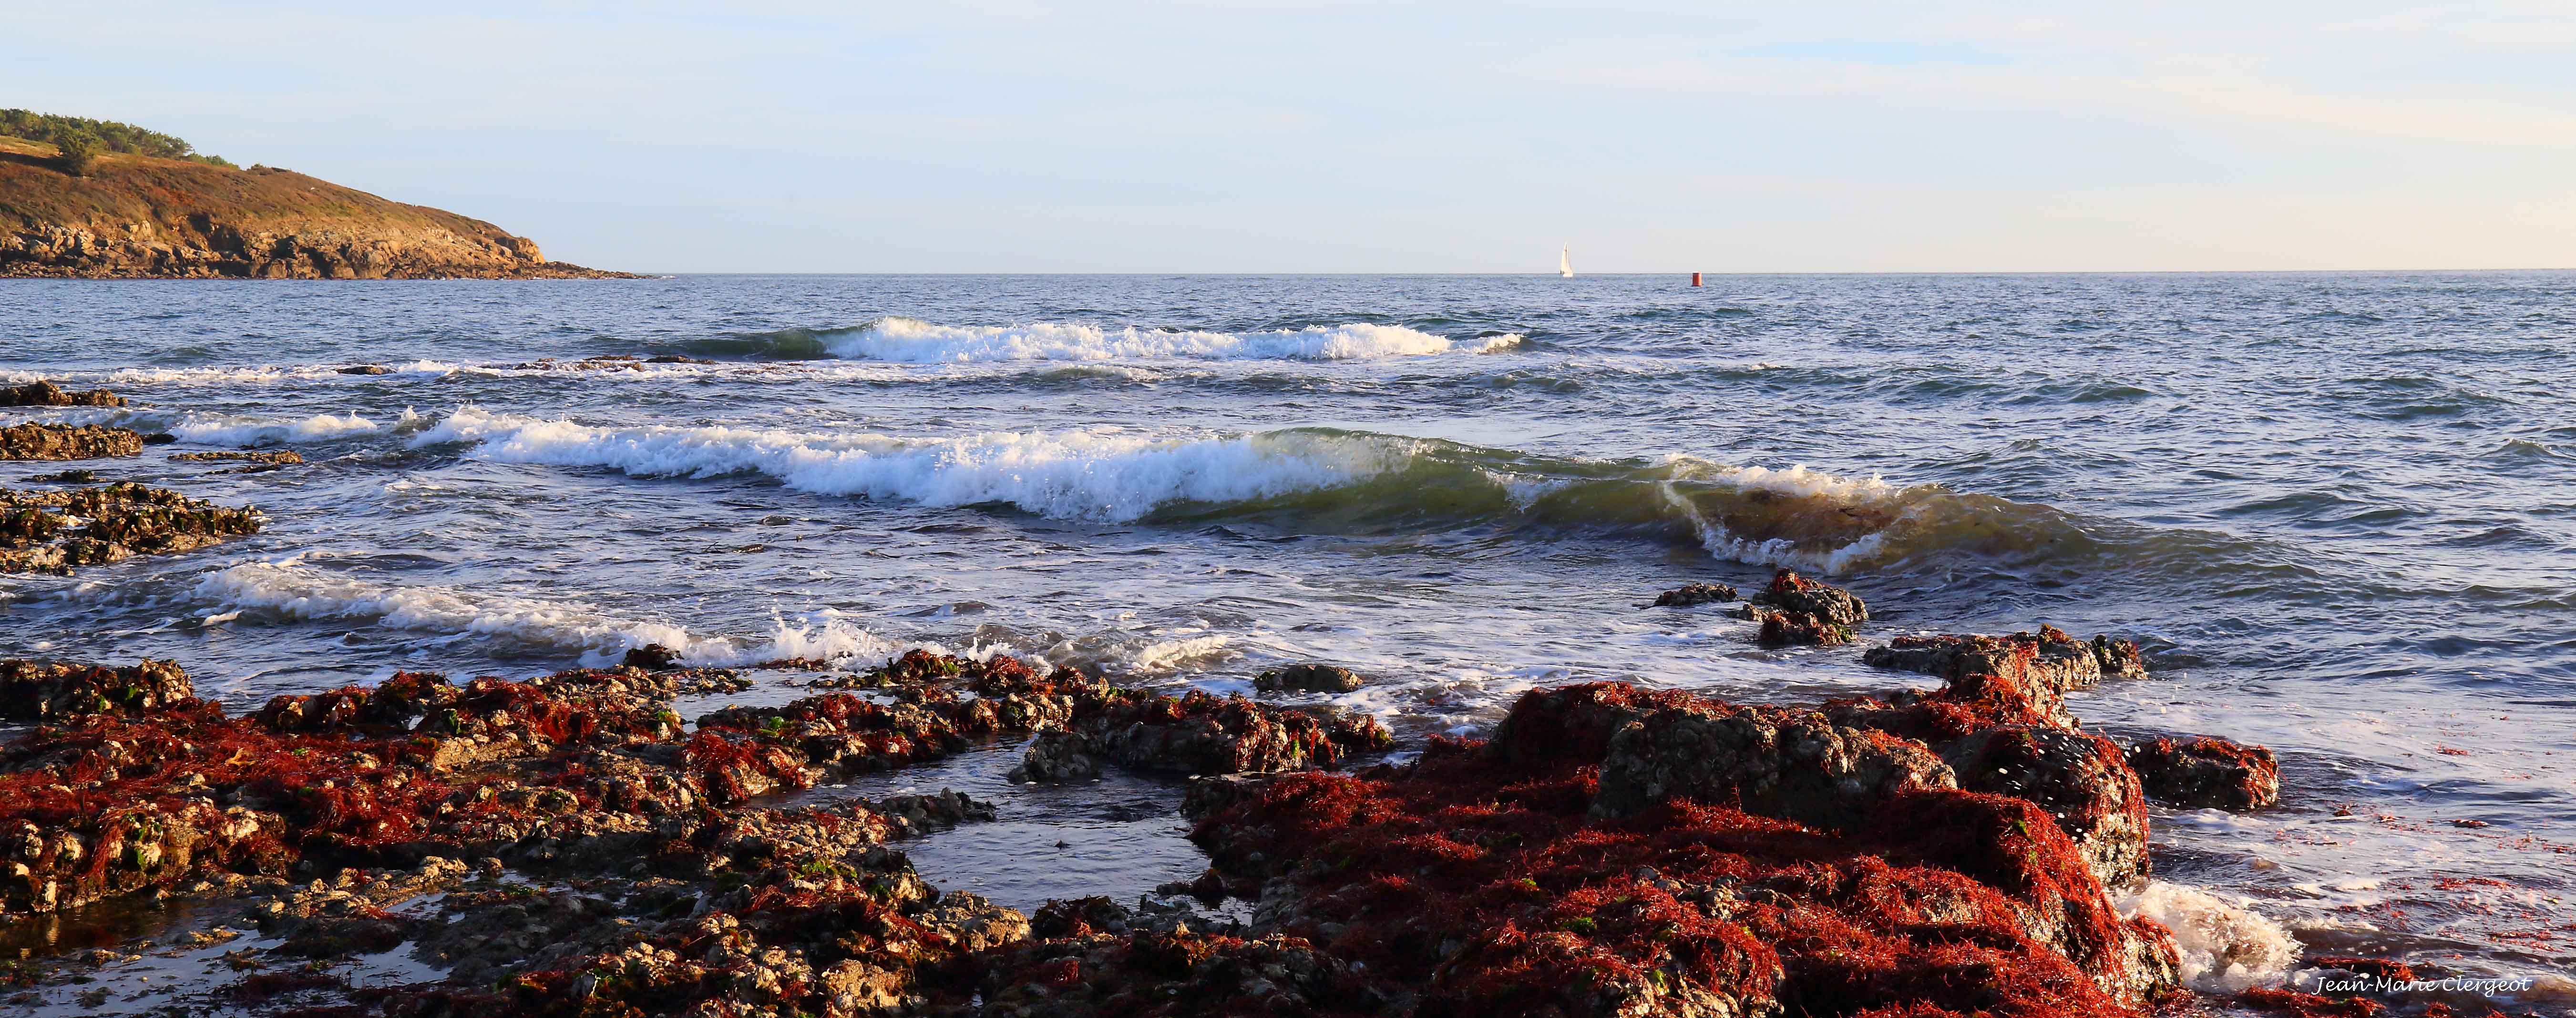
(139, 217)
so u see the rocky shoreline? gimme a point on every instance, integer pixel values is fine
(570, 845)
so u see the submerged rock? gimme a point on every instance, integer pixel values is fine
(270, 458)
(1690, 594)
(33, 441)
(53, 531)
(45, 393)
(2208, 773)
(1309, 678)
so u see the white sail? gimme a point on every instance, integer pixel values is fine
(1565, 262)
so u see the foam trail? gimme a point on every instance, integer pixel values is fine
(288, 590)
(909, 340)
(1066, 476)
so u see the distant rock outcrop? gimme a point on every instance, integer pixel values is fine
(137, 216)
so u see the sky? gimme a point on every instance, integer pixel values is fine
(1293, 136)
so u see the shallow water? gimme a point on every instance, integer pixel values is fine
(2339, 509)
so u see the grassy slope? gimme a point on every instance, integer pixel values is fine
(127, 188)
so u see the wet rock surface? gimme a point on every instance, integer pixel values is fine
(2208, 773)
(47, 690)
(1692, 594)
(1797, 611)
(270, 459)
(568, 845)
(46, 393)
(32, 441)
(1309, 678)
(2049, 657)
(55, 531)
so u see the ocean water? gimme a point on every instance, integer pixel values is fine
(2338, 509)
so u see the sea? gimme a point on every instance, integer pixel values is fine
(2338, 511)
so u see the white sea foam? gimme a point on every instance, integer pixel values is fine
(2225, 948)
(1072, 475)
(913, 341)
(226, 429)
(293, 591)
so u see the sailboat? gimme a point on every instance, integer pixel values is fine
(1564, 263)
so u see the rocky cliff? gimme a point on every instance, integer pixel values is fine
(137, 216)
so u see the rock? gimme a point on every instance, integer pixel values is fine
(1536, 873)
(52, 691)
(119, 521)
(1803, 612)
(652, 657)
(2049, 657)
(1690, 594)
(2119, 658)
(366, 369)
(271, 458)
(2208, 773)
(1197, 733)
(1792, 764)
(1785, 629)
(1309, 678)
(65, 442)
(1055, 757)
(1828, 604)
(2080, 780)
(45, 393)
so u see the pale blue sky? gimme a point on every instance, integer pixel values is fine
(1363, 137)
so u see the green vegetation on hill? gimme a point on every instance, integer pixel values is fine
(80, 139)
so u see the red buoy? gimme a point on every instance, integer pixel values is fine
(1694, 279)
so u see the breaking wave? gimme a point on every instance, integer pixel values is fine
(912, 341)
(2224, 948)
(291, 591)
(1319, 480)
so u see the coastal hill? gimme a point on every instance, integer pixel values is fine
(96, 199)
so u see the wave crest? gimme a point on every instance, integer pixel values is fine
(1317, 480)
(896, 339)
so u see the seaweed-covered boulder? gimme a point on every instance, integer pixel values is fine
(45, 393)
(1797, 610)
(50, 691)
(1793, 764)
(1309, 678)
(1693, 594)
(1197, 733)
(1484, 878)
(33, 441)
(2079, 779)
(2208, 773)
(2049, 657)
(1827, 603)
